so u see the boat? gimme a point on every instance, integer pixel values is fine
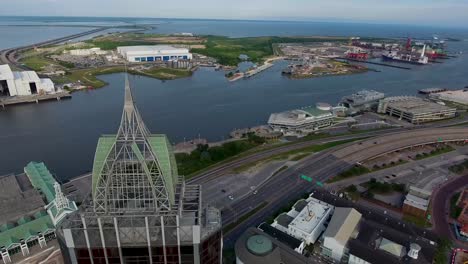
(406, 57)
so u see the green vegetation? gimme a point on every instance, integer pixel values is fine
(107, 44)
(280, 170)
(205, 156)
(435, 152)
(417, 221)
(36, 62)
(167, 73)
(391, 164)
(444, 246)
(459, 168)
(294, 155)
(88, 77)
(244, 217)
(352, 192)
(375, 186)
(358, 170)
(227, 50)
(455, 211)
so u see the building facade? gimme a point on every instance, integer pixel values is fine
(140, 210)
(361, 101)
(13, 83)
(300, 121)
(415, 110)
(154, 53)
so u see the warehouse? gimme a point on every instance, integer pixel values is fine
(154, 53)
(14, 83)
(414, 109)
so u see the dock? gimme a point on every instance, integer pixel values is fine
(25, 99)
(375, 63)
(258, 70)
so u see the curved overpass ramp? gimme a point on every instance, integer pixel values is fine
(378, 146)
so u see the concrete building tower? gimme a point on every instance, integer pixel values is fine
(140, 210)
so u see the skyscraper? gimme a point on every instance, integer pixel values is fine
(140, 209)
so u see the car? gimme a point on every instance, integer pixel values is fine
(231, 197)
(255, 192)
(223, 191)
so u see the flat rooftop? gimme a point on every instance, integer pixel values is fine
(150, 49)
(363, 97)
(18, 198)
(379, 243)
(456, 96)
(310, 216)
(416, 105)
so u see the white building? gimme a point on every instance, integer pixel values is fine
(305, 221)
(14, 83)
(303, 120)
(87, 52)
(342, 227)
(154, 53)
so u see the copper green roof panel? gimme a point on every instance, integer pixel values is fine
(6, 226)
(40, 214)
(25, 231)
(41, 179)
(104, 146)
(162, 149)
(23, 220)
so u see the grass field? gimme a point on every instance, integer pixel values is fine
(36, 62)
(227, 50)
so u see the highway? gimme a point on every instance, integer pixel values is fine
(286, 187)
(8, 56)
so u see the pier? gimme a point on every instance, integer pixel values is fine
(375, 63)
(33, 98)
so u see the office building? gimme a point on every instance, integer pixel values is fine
(361, 101)
(140, 209)
(305, 221)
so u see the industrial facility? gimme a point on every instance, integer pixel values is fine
(154, 53)
(140, 209)
(302, 120)
(32, 205)
(361, 101)
(13, 83)
(414, 110)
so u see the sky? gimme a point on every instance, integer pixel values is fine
(423, 12)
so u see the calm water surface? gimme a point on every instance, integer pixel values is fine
(64, 134)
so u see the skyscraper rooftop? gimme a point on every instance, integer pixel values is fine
(139, 205)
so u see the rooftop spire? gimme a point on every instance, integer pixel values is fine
(128, 103)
